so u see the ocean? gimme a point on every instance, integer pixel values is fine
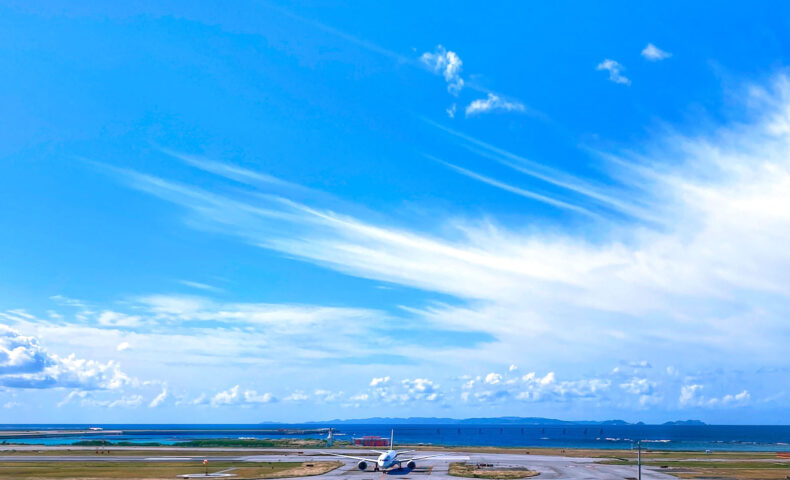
(656, 437)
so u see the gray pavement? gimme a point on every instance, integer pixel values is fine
(550, 467)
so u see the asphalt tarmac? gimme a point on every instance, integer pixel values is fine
(550, 467)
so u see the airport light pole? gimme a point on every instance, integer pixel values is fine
(639, 459)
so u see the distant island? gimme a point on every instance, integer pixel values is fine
(685, 422)
(485, 421)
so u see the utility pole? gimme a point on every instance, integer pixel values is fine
(639, 459)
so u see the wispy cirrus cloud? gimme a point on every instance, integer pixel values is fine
(199, 285)
(690, 280)
(614, 198)
(513, 189)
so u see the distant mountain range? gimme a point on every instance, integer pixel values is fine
(485, 421)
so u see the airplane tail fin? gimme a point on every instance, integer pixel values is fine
(392, 439)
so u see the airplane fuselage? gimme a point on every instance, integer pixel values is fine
(387, 460)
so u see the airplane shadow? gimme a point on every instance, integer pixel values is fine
(399, 471)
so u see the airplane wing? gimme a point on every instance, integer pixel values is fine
(424, 457)
(349, 456)
(401, 452)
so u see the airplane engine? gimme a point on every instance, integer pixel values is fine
(362, 465)
(411, 465)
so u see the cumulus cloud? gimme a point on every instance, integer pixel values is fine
(654, 54)
(323, 395)
(421, 389)
(615, 71)
(379, 381)
(691, 395)
(493, 103)
(448, 64)
(25, 364)
(738, 398)
(251, 396)
(122, 346)
(638, 386)
(534, 388)
(21, 354)
(235, 396)
(493, 378)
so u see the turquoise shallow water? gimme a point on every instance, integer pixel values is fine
(663, 437)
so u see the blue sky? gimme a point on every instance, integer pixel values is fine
(310, 210)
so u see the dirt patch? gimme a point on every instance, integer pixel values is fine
(459, 469)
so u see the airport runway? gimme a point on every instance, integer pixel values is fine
(550, 467)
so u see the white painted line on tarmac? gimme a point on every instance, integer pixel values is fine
(169, 459)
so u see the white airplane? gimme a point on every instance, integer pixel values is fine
(388, 460)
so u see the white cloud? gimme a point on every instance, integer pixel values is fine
(110, 318)
(512, 368)
(638, 386)
(131, 401)
(88, 399)
(251, 396)
(323, 395)
(448, 64)
(158, 399)
(689, 393)
(69, 302)
(710, 260)
(235, 396)
(25, 364)
(654, 54)
(640, 364)
(379, 381)
(199, 285)
(296, 397)
(451, 111)
(20, 354)
(226, 397)
(493, 378)
(614, 68)
(421, 389)
(493, 103)
(122, 346)
(738, 398)
(691, 396)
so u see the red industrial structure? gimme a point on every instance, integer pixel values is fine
(372, 441)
